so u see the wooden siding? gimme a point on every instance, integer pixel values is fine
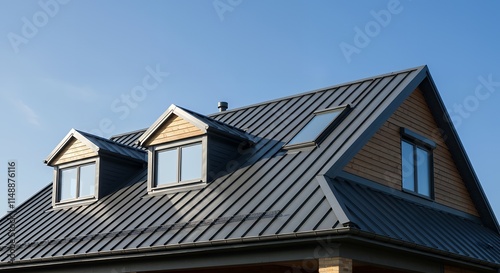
(175, 128)
(335, 265)
(380, 159)
(74, 150)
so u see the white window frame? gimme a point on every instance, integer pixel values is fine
(179, 185)
(56, 199)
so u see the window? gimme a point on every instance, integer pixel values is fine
(77, 182)
(317, 126)
(179, 164)
(416, 163)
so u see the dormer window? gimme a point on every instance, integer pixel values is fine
(77, 182)
(187, 150)
(179, 164)
(88, 167)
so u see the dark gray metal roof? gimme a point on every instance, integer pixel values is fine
(110, 146)
(385, 214)
(99, 145)
(129, 139)
(220, 126)
(271, 194)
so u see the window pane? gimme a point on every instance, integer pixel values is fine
(423, 172)
(166, 167)
(87, 180)
(191, 162)
(407, 166)
(312, 129)
(67, 185)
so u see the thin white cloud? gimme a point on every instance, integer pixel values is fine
(28, 112)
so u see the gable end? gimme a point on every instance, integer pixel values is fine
(74, 150)
(174, 128)
(380, 159)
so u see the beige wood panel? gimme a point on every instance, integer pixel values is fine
(72, 151)
(175, 128)
(380, 159)
(334, 265)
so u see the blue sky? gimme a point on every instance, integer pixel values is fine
(83, 64)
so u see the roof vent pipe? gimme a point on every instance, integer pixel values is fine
(222, 105)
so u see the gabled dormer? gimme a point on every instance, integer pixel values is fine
(187, 150)
(88, 167)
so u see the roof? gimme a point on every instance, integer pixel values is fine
(129, 139)
(380, 212)
(98, 145)
(272, 194)
(203, 123)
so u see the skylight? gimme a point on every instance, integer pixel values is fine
(314, 129)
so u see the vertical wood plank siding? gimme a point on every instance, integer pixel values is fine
(380, 159)
(74, 150)
(174, 129)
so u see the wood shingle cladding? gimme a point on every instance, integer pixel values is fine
(73, 151)
(175, 128)
(380, 159)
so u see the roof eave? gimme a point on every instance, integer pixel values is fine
(339, 234)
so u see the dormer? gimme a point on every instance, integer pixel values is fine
(187, 150)
(88, 167)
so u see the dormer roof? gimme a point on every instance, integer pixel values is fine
(92, 146)
(201, 125)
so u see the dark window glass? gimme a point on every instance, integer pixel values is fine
(423, 174)
(416, 168)
(408, 166)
